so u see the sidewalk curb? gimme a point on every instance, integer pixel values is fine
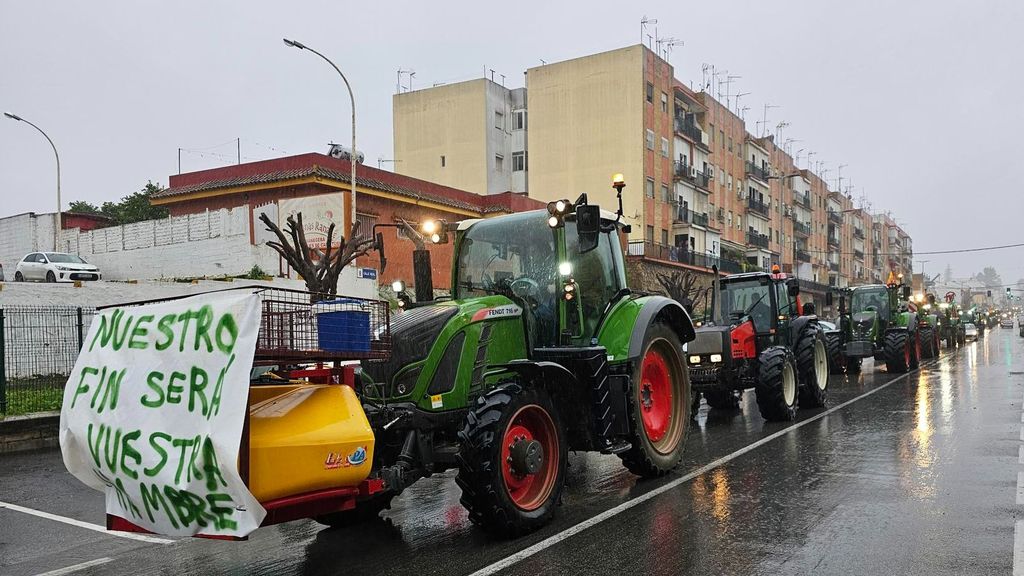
(31, 432)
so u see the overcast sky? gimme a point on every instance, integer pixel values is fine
(920, 99)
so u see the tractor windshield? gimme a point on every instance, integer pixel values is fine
(870, 300)
(748, 297)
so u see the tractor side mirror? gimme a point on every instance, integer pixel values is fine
(588, 226)
(379, 246)
(906, 292)
(828, 299)
(793, 287)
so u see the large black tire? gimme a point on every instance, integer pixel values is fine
(651, 453)
(926, 337)
(812, 367)
(490, 489)
(897, 352)
(723, 399)
(915, 350)
(836, 358)
(368, 511)
(50, 277)
(777, 384)
(18, 277)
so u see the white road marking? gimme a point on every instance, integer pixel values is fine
(1018, 548)
(1020, 454)
(86, 525)
(77, 567)
(1020, 488)
(593, 521)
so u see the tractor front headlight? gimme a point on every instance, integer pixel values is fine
(716, 358)
(694, 359)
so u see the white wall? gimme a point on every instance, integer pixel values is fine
(22, 234)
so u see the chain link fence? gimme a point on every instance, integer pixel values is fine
(38, 348)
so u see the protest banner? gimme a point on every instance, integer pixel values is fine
(154, 409)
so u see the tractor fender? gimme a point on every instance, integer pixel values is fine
(532, 371)
(801, 323)
(660, 308)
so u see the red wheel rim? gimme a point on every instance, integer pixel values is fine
(658, 401)
(917, 346)
(529, 423)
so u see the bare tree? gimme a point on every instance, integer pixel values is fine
(680, 286)
(319, 268)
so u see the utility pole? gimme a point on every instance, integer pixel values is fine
(59, 216)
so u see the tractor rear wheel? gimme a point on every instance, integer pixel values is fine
(926, 341)
(915, 350)
(723, 399)
(512, 460)
(777, 384)
(836, 359)
(657, 409)
(812, 366)
(367, 511)
(897, 352)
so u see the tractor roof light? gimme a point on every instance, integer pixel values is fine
(554, 221)
(398, 286)
(565, 268)
(435, 230)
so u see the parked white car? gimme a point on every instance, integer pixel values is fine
(55, 267)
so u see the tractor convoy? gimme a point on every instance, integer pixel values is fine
(541, 349)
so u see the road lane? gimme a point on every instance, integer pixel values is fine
(795, 503)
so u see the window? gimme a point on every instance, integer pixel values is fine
(664, 147)
(664, 237)
(721, 138)
(711, 133)
(728, 219)
(664, 193)
(664, 102)
(442, 161)
(650, 92)
(499, 120)
(366, 222)
(519, 120)
(499, 162)
(649, 234)
(518, 161)
(649, 188)
(650, 139)
(730, 144)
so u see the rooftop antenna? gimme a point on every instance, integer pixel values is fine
(778, 129)
(382, 160)
(788, 144)
(705, 71)
(542, 62)
(728, 88)
(738, 96)
(398, 83)
(718, 84)
(743, 112)
(492, 74)
(839, 183)
(796, 160)
(644, 21)
(809, 156)
(764, 118)
(668, 43)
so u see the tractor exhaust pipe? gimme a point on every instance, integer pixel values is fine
(716, 313)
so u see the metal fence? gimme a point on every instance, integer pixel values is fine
(38, 348)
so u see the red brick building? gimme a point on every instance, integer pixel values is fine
(381, 198)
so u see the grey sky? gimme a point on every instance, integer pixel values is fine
(920, 99)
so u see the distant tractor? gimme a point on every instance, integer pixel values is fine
(758, 338)
(879, 324)
(951, 325)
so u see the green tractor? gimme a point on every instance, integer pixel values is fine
(928, 327)
(951, 324)
(879, 324)
(542, 349)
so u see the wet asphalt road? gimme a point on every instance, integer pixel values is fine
(916, 474)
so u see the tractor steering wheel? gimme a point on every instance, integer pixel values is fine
(524, 287)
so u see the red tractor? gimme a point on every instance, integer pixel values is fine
(760, 337)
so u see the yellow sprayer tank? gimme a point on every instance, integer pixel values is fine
(306, 437)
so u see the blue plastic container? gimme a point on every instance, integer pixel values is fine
(342, 330)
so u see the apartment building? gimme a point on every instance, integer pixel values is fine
(701, 189)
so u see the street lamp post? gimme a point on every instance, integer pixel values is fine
(58, 219)
(352, 156)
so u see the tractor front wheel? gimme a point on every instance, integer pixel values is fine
(926, 341)
(777, 384)
(512, 460)
(915, 350)
(897, 352)
(812, 364)
(836, 359)
(657, 408)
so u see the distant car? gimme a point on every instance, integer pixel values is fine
(970, 332)
(1006, 322)
(55, 267)
(827, 326)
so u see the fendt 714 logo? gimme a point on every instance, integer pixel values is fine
(506, 311)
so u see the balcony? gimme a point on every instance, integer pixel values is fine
(680, 255)
(833, 241)
(683, 171)
(801, 228)
(689, 130)
(758, 207)
(858, 233)
(756, 239)
(833, 266)
(858, 254)
(802, 199)
(684, 216)
(835, 217)
(755, 171)
(803, 255)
